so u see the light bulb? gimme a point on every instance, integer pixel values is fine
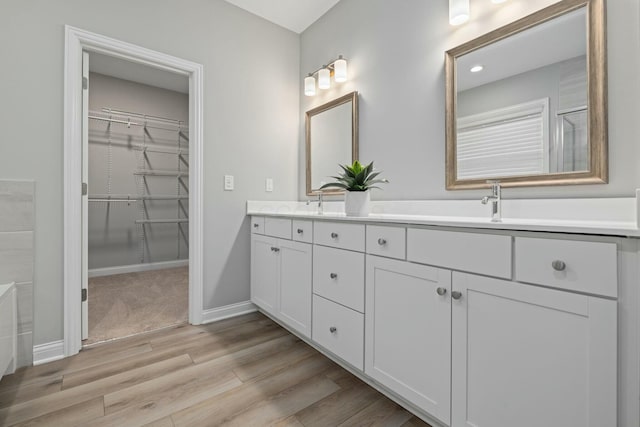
(340, 70)
(324, 78)
(458, 11)
(309, 86)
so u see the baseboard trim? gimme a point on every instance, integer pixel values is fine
(48, 352)
(122, 269)
(232, 310)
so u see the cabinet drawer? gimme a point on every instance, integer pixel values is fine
(257, 225)
(340, 330)
(303, 231)
(580, 266)
(478, 253)
(278, 227)
(338, 275)
(386, 241)
(339, 235)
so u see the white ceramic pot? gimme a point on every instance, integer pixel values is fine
(356, 203)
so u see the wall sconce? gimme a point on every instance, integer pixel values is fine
(337, 68)
(458, 11)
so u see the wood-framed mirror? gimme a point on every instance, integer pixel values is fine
(331, 134)
(526, 104)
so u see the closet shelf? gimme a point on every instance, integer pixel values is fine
(161, 173)
(162, 221)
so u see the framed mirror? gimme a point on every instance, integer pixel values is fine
(331, 139)
(526, 104)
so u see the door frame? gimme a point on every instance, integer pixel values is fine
(77, 41)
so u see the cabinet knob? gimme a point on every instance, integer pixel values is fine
(300, 231)
(456, 295)
(333, 275)
(274, 249)
(382, 241)
(334, 235)
(333, 329)
(558, 265)
(441, 291)
(256, 225)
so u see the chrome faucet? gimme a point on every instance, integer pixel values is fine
(320, 206)
(494, 198)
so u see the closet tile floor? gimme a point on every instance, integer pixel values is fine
(244, 371)
(126, 304)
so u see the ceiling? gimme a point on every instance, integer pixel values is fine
(554, 41)
(294, 15)
(134, 72)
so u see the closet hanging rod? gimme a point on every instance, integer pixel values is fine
(162, 221)
(142, 116)
(107, 119)
(161, 150)
(113, 200)
(137, 197)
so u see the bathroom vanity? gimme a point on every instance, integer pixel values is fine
(464, 321)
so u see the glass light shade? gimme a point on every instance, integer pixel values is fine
(458, 11)
(340, 70)
(324, 79)
(309, 86)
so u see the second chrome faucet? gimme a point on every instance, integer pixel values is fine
(495, 199)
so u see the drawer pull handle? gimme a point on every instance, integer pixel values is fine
(256, 225)
(441, 291)
(456, 295)
(558, 265)
(300, 231)
(333, 275)
(382, 241)
(333, 329)
(334, 235)
(274, 249)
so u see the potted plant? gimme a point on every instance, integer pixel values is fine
(357, 180)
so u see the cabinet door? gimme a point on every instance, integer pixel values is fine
(528, 356)
(408, 332)
(264, 272)
(295, 285)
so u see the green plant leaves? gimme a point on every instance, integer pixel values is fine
(356, 177)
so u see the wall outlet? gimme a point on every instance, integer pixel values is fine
(228, 182)
(268, 185)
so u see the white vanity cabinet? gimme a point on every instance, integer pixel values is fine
(529, 356)
(281, 280)
(467, 328)
(408, 332)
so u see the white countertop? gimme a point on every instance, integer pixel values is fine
(606, 216)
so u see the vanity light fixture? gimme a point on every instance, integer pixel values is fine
(337, 68)
(458, 11)
(498, 1)
(476, 68)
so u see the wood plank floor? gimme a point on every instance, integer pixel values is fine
(245, 371)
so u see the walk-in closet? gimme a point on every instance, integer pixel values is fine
(138, 200)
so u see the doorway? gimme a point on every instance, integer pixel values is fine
(137, 238)
(79, 43)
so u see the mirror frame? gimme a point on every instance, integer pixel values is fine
(350, 97)
(597, 98)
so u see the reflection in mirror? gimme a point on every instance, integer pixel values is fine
(523, 107)
(331, 139)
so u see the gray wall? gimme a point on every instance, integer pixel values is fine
(396, 58)
(251, 105)
(114, 237)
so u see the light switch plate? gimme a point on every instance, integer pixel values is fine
(228, 182)
(268, 185)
